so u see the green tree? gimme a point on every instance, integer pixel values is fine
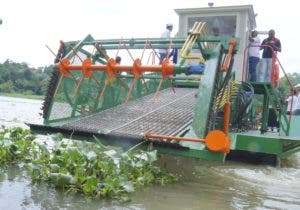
(284, 86)
(20, 78)
(7, 87)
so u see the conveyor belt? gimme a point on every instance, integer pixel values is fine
(169, 115)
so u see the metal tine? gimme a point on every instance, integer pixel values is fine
(122, 83)
(144, 83)
(130, 90)
(78, 86)
(169, 48)
(151, 55)
(127, 49)
(145, 46)
(135, 79)
(101, 51)
(120, 80)
(82, 77)
(103, 90)
(93, 77)
(153, 50)
(154, 99)
(97, 82)
(172, 87)
(75, 53)
(119, 45)
(93, 51)
(58, 85)
(143, 79)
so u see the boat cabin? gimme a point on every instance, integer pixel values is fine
(235, 21)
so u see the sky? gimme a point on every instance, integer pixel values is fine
(29, 25)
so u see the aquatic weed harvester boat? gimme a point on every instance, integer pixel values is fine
(201, 107)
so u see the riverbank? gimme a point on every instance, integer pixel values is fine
(25, 96)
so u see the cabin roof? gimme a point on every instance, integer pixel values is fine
(207, 10)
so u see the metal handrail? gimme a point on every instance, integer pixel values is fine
(274, 56)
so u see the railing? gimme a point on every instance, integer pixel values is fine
(274, 59)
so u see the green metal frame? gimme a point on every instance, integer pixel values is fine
(271, 97)
(209, 85)
(206, 94)
(280, 146)
(86, 97)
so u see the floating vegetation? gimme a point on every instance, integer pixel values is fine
(15, 145)
(92, 169)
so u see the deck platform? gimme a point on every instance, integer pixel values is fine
(169, 115)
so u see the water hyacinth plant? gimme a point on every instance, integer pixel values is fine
(15, 145)
(92, 169)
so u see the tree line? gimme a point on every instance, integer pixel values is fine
(284, 86)
(20, 78)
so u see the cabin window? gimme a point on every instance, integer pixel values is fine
(217, 25)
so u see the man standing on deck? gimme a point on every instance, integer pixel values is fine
(292, 102)
(166, 34)
(266, 64)
(297, 107)
(253, 55)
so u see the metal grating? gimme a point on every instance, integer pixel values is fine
(170, 114)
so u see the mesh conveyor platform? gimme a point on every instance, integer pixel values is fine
(170, 114)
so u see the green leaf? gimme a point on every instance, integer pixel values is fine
(61, 180)
(90, 185)
(152, 156)
(128, 186)
(91, 155)
(7, 143)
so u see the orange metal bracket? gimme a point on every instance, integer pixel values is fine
(215, 141)
(136, 69)
(166, 68)
(62, 67)
(63, 63)
(87, 68)
(110, 66)
(218, 141)
(169, 138)
(228, 57)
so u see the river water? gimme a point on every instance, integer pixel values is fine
(205, 184)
